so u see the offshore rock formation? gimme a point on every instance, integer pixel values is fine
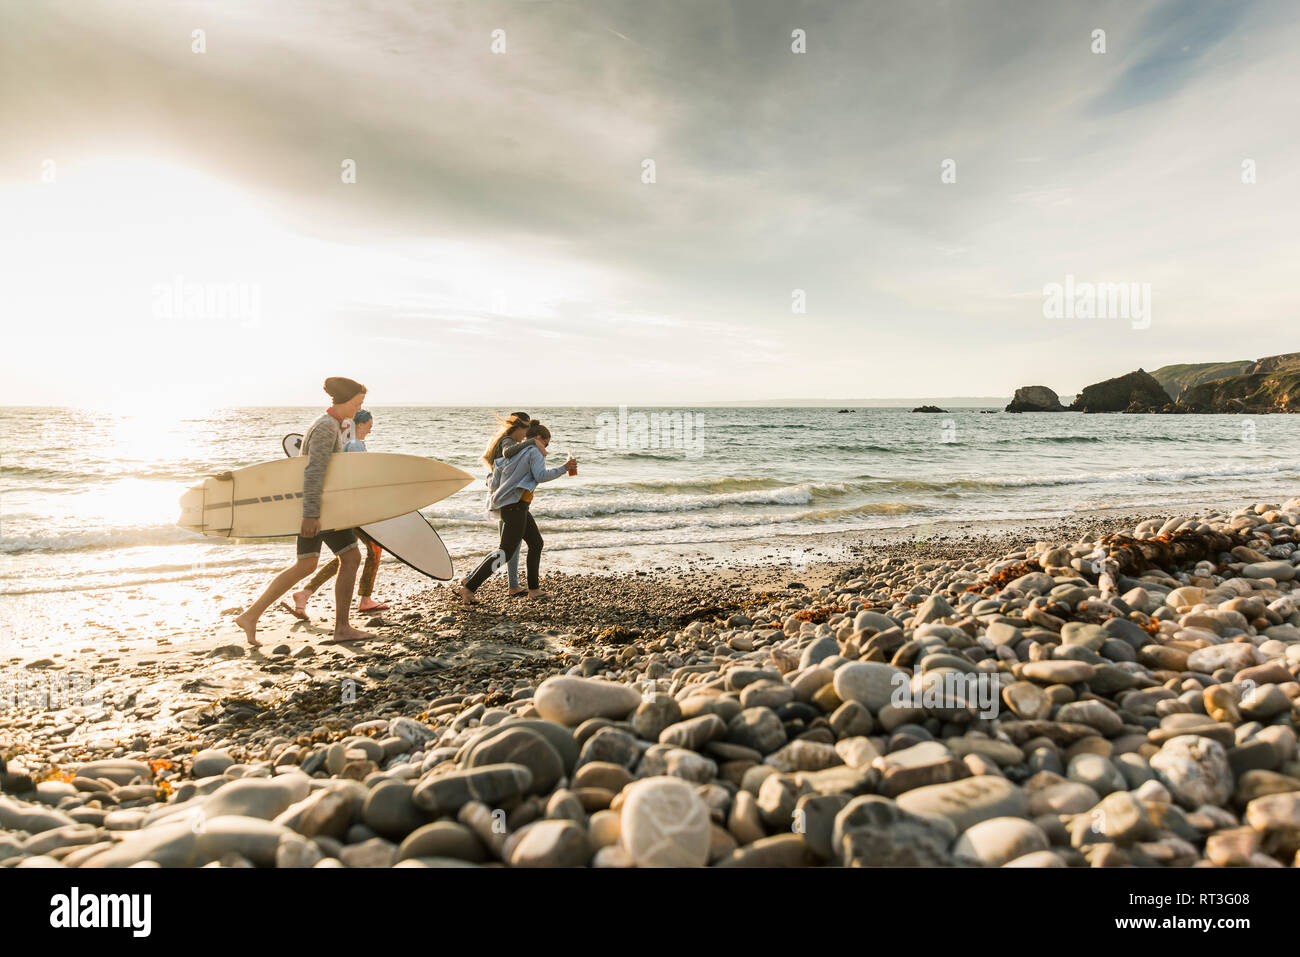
(1035, 398)
(1134, 392)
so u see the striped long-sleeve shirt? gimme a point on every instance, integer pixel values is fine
(322, 439)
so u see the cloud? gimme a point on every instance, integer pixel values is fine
(775, 171)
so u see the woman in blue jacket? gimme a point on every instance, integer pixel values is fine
(515, 481)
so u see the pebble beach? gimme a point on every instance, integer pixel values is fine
(1117, 691)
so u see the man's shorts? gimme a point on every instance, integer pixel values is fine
(338, 541)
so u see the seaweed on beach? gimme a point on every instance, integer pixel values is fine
(1007, 575)
(1148, 624)
(321, 695)
(817, 615)
(618, 635)
(235, 709)
(1133, 556)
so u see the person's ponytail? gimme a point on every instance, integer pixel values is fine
(507, 426)
(494, 447)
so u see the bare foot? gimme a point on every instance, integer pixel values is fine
(348, 633)
(250, 628)
(516, 592)
(466, 596)
(538, 594)
(369, 604)
(296, 612)
(300, 599)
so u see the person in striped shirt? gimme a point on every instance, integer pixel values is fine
(323, 438)
(363, 422)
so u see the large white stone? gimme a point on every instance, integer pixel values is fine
(570, 700)
(1234, 656)
(870, 683)
(180, 844)
(665, 824)
(1000, 840)
(1195, 770)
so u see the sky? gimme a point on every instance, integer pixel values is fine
(451, 203)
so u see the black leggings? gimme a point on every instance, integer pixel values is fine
(517, 526)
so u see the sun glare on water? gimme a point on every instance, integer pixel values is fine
(158, 435)
(144, 451)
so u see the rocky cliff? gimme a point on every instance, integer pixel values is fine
(1255, 392)
(1271, 384)
(1288, 360)
(1174, 379)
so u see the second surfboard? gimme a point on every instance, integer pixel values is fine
(409, 538)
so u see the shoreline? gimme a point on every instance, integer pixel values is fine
(168, 609)
(189, 611)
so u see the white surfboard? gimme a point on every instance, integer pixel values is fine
(264, 501)
(409, 538)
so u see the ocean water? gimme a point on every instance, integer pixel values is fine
(88, 500)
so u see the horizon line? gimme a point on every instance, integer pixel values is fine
(794, 402)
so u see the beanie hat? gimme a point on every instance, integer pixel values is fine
(341, 390)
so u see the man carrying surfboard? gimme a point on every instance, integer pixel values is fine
(363, 422)
(322, 439)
